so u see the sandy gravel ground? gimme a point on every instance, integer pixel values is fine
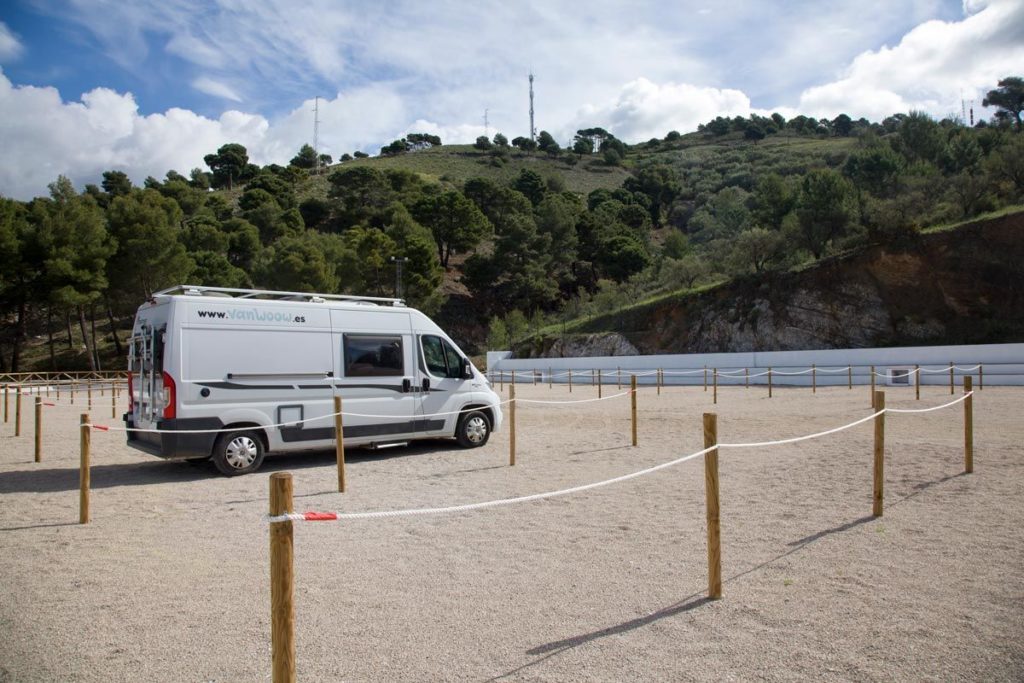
(170, 581)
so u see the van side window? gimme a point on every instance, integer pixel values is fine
(442, 360)
(373, 356)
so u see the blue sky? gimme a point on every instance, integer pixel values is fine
(149, 85)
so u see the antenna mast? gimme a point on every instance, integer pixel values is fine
(316, 134)
(533, 131)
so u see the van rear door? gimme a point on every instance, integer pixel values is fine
(150, 397)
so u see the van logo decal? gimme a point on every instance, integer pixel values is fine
(253, 314)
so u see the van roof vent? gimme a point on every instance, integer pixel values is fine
(273, 295)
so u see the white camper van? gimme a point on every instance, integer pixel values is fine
(265, 365)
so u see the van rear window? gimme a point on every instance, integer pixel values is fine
(373, 356)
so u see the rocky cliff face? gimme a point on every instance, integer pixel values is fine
(960, 287)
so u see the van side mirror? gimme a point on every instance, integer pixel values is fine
(467, 369)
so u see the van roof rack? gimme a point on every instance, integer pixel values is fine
(273, 295)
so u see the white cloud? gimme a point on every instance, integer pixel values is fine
(452, 133)
(195, 50)
(215, 88)
(10, 47)
(640, 69)
(45, 137)
(929, 67)
(643, 110)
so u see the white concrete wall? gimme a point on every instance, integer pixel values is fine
(1003, 364)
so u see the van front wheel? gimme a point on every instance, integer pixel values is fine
(238, 453)
(473, 429)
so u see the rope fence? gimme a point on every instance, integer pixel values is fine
(281, 514)
(501, 376)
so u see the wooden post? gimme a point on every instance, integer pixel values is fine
(814, 378)
(917, 382)
(512, 426)
(113, 403)
(705, 378)
(632, 386)
(549, 378)
(282, 581)
(746, 378)
(981, 376)
(84, 439)
(570, 380)
(951, 379)
(513, 378)
(502, 380)
(715, 374)
(711, 498)
(618, 378)
(39, 429)
(17, 411)
(73, 387)
(879, 404)
(660, 379)
(339, 443)
(7, 408)
(769, 382)
(535, 377)
(968, 427)
(849, 376)
(600, 381)
(873, 386)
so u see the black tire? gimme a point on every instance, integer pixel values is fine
(473, 430)
(238, 453)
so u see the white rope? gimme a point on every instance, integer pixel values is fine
(493, 503)
(338, 516)
(584, 400)
(928, 410)
(754, 444)
(955, 367)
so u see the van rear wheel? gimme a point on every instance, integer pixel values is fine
(238, 453)
(473, 429)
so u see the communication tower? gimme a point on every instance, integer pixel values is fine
(533, 131)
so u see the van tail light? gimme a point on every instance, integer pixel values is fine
(131, 393)
(170, 397)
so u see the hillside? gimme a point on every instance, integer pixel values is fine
(749, 233)
(960, 286)
(455, 164)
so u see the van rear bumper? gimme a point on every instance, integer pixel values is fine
(168, 444)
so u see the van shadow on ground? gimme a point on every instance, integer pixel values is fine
(39, 478)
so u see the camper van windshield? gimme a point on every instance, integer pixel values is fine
(373, 356)
(442, 360)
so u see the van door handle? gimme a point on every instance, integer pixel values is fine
(407, 385)
(426, 384)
